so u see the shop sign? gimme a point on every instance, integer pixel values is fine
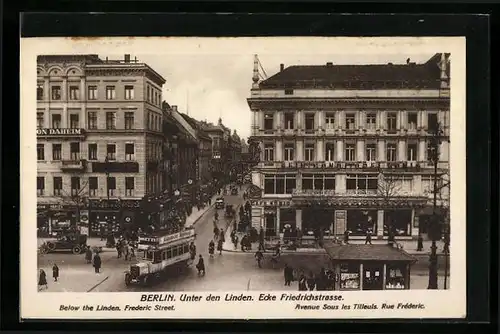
(59, 132)
(114, 204)
(167, 238)
(84, 216)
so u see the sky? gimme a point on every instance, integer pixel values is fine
(209, 86)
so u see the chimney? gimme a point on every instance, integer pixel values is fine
(329, 64)
(174, 108)
(127, 58)
(407, 61)
(106, 59)
(135, 59)
(255, 76)
(282, 67)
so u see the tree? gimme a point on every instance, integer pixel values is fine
(389, 187)
(76, 197)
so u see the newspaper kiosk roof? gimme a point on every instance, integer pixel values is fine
(367, 253)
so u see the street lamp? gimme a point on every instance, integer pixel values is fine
(435, 228)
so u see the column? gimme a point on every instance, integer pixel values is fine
(380, 224)
(401, 150)
(64, 117)
(320, 119)
(361, 119)
(424, 119)
(64, 90)
(360, 150)
(300, 150)
(361, 276)
(46, 89)
(407, 278)
(277, 221)
(381, 151)
(340, 183)
(383, 120)
(421, 150)
(298, 182)
(83, 97)
(340, 150)
(413, 228)
(444, 151)
(320, 150)
(384, 275)
(342, 119)
(299, 120)
(279, 150)
(417, 184)
(261, 146)
(403, 119)
(298, 218)
(260, 118)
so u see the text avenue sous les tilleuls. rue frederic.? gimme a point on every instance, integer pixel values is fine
(230, 297)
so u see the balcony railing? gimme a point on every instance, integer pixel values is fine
(365, 192)
(74, 165)
(313, 192)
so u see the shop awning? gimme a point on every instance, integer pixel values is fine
(386, 253)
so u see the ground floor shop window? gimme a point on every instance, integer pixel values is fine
(395, 277)
(399, 221)
(270, 224)
(316, 221)
(349, 276)
(287, 217)
(373, 276)
(359, 222)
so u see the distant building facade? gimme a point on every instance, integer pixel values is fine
(346, 147)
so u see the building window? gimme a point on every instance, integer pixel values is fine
(318, 181)
(349, 276)
(268, 121)
(412, 121)
(56, 92)
(74, 149)
(350, 121)
(288, 91)
(350, 152)
(129, 151)
(110, 93)
(361, 183)
(411, 153)
(40, 152)
(395, 279)
(111, 185)
(289, 121)
(92, 120)
(93, 185)
(399, 221)
(39, 91)
(432, 122)
(309, 122)
(74, 121)
(391, 122)
(57, 185)
(279, 183)
(371, 152)
(330, 121)
(93, 151)
(129, 186)
(330, 151)
(111, 151)
(74, 93)
(269, 152)
(309, 152)
(40, 120)
(149, 94)
(40, 185)
(56, 121)
(129, 92)
(359, 222)
(56, 152)
(391, 151)
(371, 121)
(110, 120)
(129, 120)
(75, 186)
(289, 152)
(92, 93)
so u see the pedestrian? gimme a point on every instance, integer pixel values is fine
(216, 216)
(235, 241)
(201, 266)
(346, 236)
(131, 251)
(126, 250)
(42, 280)
(222, 236)
(259, 257)
(219, 246)
(243, 242)
(211, 248)
(302, 283)
(368, 239)
(192, 250)
(446, 246)
(311, 282)
(216, 233)
(97, 262)
(420, 243)
(88, 255)
(209, 200)
(55, 272)
(261, 239)
(288, 273)
(119, 248)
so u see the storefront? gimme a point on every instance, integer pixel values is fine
(370, 267)
(112, 216)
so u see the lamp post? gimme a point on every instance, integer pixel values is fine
(435, 228)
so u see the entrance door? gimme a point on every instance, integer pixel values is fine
(372, 277)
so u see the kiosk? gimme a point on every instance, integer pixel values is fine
(370, 267)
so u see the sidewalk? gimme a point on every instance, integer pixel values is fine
(196, 215)
(75, 280)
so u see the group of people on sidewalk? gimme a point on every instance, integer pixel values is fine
(323, 281)
(42, 277)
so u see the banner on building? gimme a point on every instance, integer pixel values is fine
(256, 218)
(340, 222)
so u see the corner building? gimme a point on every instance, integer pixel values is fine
(99, 139)
(347, 147)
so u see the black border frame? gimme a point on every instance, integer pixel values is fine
(475, 28)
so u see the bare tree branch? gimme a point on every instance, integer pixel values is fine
(389, 185)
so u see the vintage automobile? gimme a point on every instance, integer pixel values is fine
(219, 203)
(74, 242)
(230, 212)
(160, 252)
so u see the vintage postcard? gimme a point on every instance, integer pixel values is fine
(231, 178)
